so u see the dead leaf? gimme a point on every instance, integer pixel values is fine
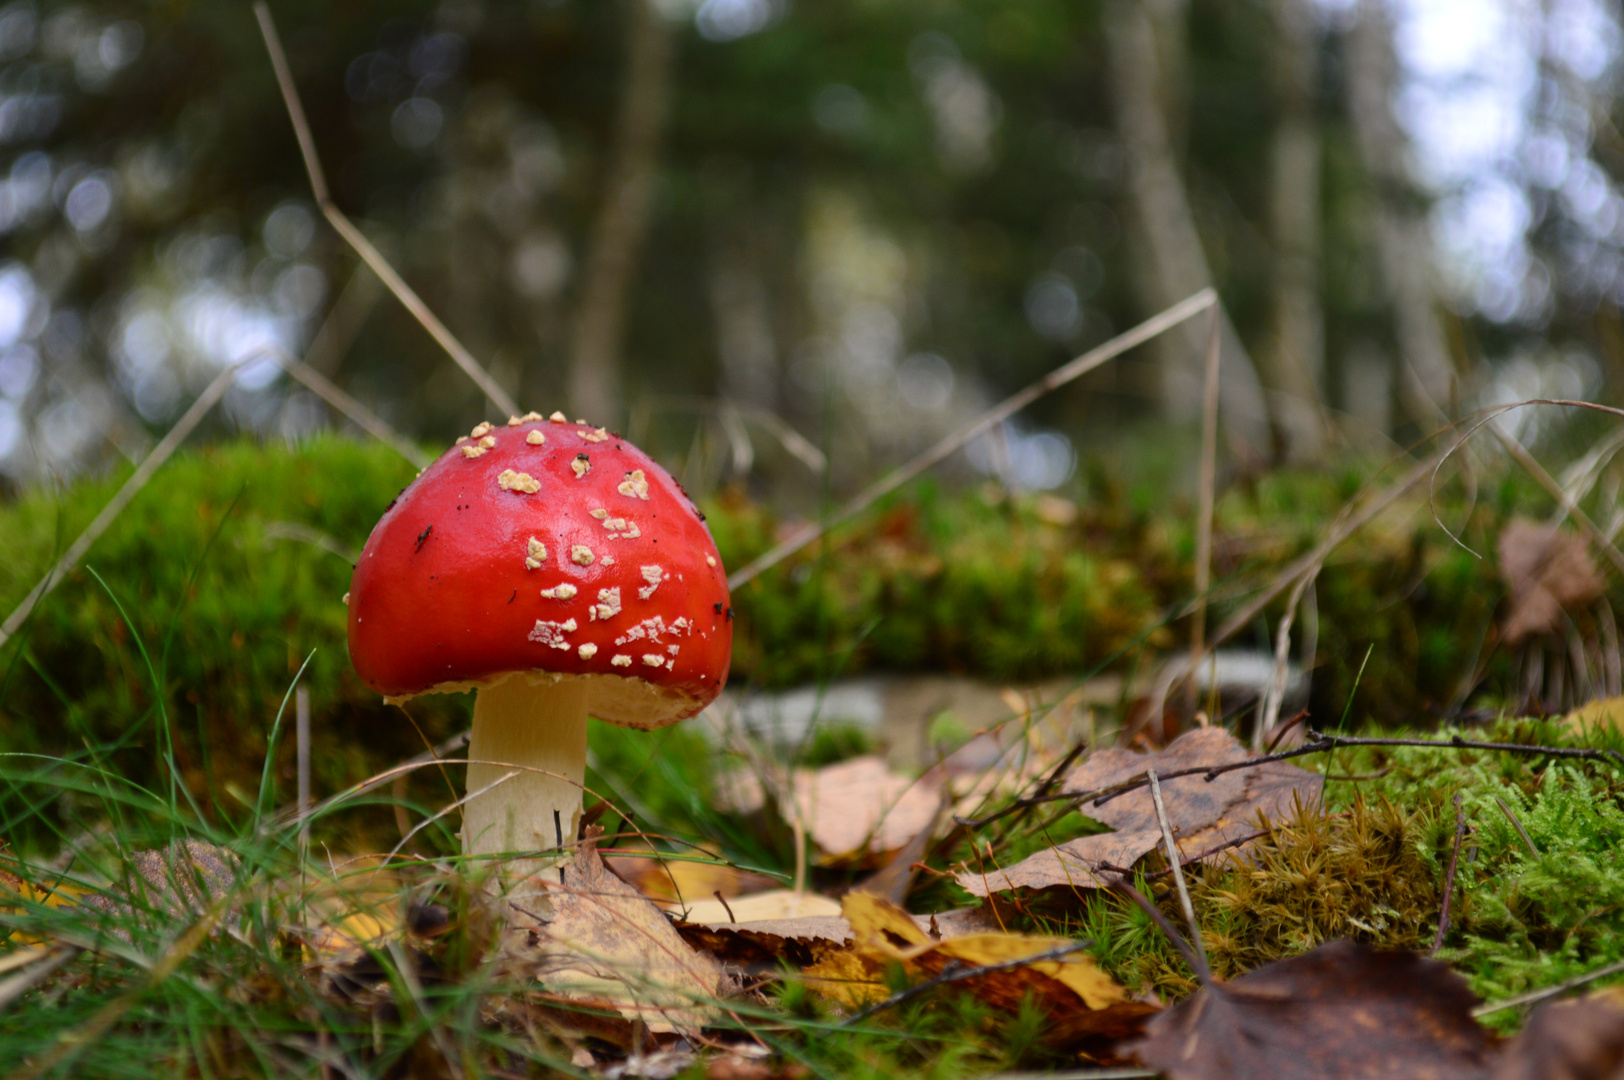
(1204, 814)
(805, 940)
(1079, 1000)
(1570, 1040)
(1082, 863)
(762, 906)
(671, 882)
(1340, 1012)
(1548, 570)
(605, 943)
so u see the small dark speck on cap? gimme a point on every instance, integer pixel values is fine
(514, 597)
(582, 456)
(422, 538)
(718, 607)
(730, 614)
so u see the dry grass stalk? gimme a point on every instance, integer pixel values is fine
(1057, 378)
(413, 303)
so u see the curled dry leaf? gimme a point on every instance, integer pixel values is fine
(1079, 1000)
(1204, 814)
(1340, 1012)
(606, 944)
(853, 811)
(1548, 570)
(805, 940)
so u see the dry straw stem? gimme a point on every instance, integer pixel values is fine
(365, 418)
(143, 472)
(413, 303)
(1057, 378)
(1532, 466)
(1487, 416)
(1536, 996)
(1204, 970)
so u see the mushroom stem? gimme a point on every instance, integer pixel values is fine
(538, 727)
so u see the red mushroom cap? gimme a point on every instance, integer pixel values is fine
(550, 548)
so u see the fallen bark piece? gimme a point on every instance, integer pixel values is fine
(603, 943)
(1569, 1040)
(1341, 1012)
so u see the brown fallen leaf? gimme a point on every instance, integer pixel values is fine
(1204, 814)
(604, 943)
(1079, 1000)
(671, 882)
(1548, 570)
(1340, 1012)
(1569, 1040)
(761, 907)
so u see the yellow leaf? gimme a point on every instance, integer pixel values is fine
(848, 978)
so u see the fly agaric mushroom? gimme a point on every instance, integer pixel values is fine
(558, 571)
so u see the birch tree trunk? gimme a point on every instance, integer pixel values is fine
(1424, 376)
(1172, 263)
(622, 221)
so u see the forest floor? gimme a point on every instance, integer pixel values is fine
(919, 874)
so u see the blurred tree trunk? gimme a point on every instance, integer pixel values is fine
(1295, 356)
(1424, 375)
(1173, 264)
(622, 221)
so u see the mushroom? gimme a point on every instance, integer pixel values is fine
(554, 591)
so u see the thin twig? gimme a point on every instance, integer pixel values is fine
(143, 472)
(1173, 860)
(1320, 744)
(365, 418)
(956, 972)
(1449, 874)
(996, 415)
(1559, 989)
(356, 239)
(1275, 692)
(1515, 824)
(1167, 928)
(1338, 532)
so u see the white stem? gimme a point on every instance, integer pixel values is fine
(540, 728)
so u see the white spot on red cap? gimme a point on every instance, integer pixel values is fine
(480, 430)
(472, 451)
(653, 575)
(565, 591)
(608, 605)
(710, 560)
(581, 465)
(654, 659)
(621, 660)
(558, 417)
(596, 435)
(552, 633)
(535, 553)
(635, 485)
(508, 480)
(581, 555)
(599, 513)
(608, 560)
(588, 651)
(535, 438)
